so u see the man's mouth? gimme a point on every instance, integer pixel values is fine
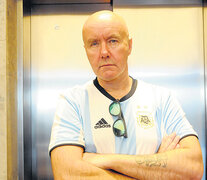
(106, 65)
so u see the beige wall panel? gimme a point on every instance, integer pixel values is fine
(59, 40)
(2, 20)
(3, 138)
(58, 59)
(11, 88)
(165, 36)
(3, 125)
(3, 122)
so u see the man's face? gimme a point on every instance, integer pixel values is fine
(107, 47)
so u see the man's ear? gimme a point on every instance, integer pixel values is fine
(130, 46)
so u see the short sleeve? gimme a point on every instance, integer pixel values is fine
(67, 126)
(174, 118)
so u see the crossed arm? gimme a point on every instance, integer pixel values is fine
(174, 160)
(67, 163)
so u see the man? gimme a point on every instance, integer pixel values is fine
(115, 127)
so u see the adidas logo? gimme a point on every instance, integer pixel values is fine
(102, 124)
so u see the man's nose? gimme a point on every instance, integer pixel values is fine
(104, 50)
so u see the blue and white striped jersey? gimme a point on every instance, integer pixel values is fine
(82, 118)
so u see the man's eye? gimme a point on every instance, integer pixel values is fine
(112, 41)
(94, 44)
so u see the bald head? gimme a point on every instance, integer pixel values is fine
(107, 45)
(104, 18)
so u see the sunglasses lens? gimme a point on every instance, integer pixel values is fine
(118, 128)
(114, 108)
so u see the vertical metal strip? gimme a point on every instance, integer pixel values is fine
(205, 68)
(33, 113)
(20, 89)
(27, 92)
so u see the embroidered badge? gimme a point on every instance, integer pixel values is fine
(145, 120)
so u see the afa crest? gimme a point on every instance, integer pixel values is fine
(145, 120)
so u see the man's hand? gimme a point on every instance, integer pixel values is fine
(169, 142)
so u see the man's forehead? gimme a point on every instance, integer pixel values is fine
(104, 21)
(94, 37)
(104, 25)
(95, 32)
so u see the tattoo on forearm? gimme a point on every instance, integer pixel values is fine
(155, 161)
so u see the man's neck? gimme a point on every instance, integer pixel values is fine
(117, 88)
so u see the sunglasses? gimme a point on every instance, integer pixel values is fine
(119, 126)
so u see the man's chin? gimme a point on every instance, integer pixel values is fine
(108, 77)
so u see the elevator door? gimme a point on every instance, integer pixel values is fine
(58, 61)
(167, 50)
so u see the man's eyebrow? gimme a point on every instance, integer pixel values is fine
(114, 36)
(91, 40)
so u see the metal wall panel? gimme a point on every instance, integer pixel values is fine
(25, 172)
(68, 1)
(157, 2)
(72, 9)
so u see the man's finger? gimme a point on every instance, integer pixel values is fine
(169, 142)
(174, 143)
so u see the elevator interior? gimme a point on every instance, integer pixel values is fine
(168, 50)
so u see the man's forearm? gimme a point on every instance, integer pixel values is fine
(175, 164)
(86, 171)
(67, 163)
(82, 170)
(182, 163)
